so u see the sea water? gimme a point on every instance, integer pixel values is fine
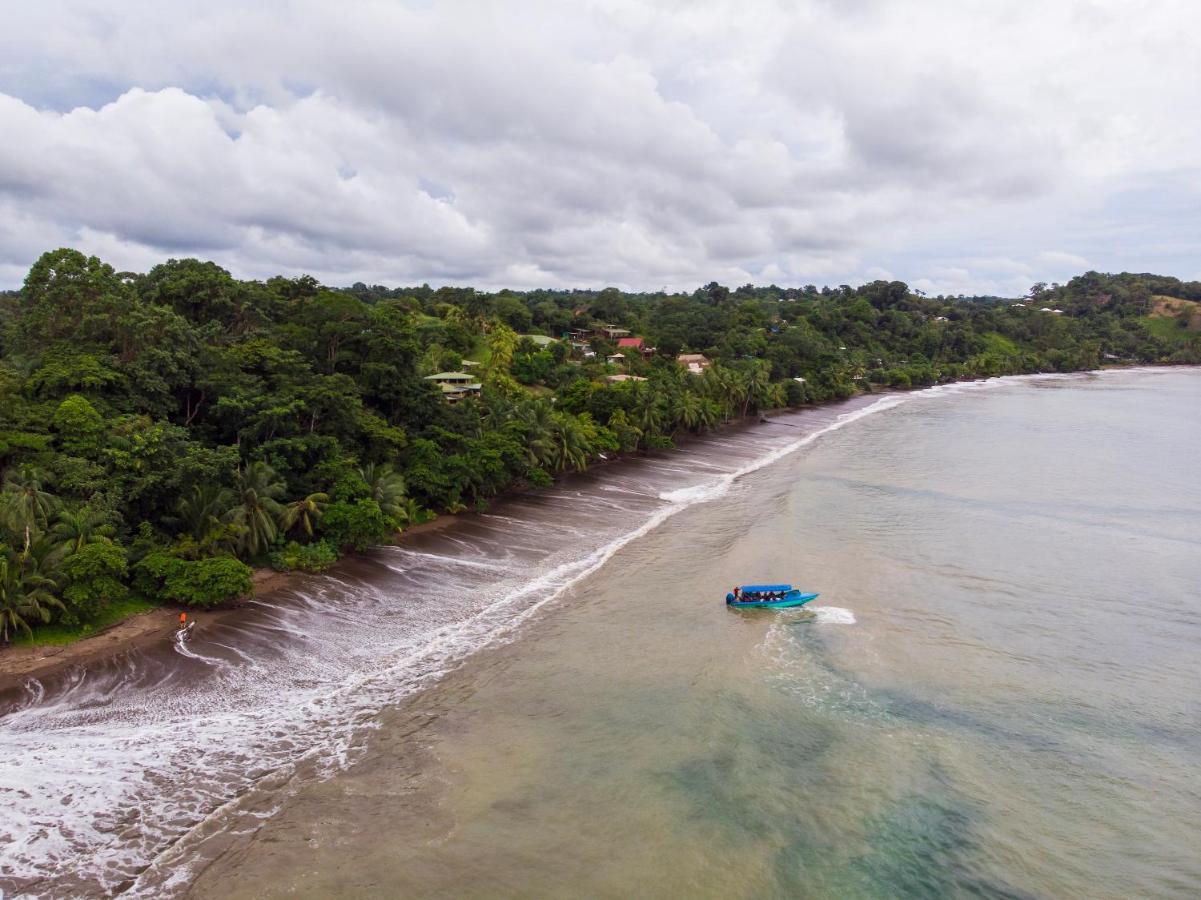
(995, 694)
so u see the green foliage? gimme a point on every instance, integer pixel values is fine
(315, 557)
(209, 582)
(359, 524)
(27, 594)
(79, 426)
(60, 632)
(93, 579)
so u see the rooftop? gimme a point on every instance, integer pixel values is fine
(449, 376)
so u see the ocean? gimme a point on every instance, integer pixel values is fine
(995, 694)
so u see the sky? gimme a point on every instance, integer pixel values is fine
(962, 146)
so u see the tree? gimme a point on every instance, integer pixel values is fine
(257, 507)
(359, 524)
(386, 487)
(502, 343)
(28, 504)
(69, 296)
(535, 420)
(26, 596)
(303, 514)
(75, 529)
(689, 411)
(204, 582)
(569, 443)
(93, 578)
(201, 510)
(79, 426)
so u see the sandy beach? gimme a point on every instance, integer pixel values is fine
(148, 628)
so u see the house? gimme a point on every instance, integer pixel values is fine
(619, 378)
(616, 359)
(455, 385)
(541, 340)
(694, 362)
(635, 343)
(612, 332)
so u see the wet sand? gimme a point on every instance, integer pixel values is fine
(146, 629)
(138, 632)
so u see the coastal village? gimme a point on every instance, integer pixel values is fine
(619, 349)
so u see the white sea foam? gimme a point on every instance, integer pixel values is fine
(711, 490)
(832, 615)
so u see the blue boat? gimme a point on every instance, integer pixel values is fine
(768, 596)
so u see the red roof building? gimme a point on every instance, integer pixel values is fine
(630, 343)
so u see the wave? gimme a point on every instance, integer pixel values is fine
(711, 490)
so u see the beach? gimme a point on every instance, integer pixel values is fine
(550, 697)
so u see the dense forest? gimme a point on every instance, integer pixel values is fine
(161, 433)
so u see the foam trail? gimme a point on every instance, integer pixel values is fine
(832, 615)
(717, 487)
(180, 643)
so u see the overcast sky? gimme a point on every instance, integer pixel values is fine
(964, 146)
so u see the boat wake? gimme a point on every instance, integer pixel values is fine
(832, 615)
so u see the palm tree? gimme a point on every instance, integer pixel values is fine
(569, 443)
(737, 390)
(710, 412)
(26, 595)
(758, 388)
(258, 509)
(75, 529)
(536, 420)
(386, 487)
(303, 513)
(410, 511)
(201, 509)
(689, 411)
(28, 504)
(651, 415)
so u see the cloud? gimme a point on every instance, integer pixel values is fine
(632, 143)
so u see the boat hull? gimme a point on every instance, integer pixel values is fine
(794, 598)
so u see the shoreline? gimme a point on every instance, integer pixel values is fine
(19, 664)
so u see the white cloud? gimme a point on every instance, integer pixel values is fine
(632, 143)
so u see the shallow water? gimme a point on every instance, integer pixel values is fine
(995, 695)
